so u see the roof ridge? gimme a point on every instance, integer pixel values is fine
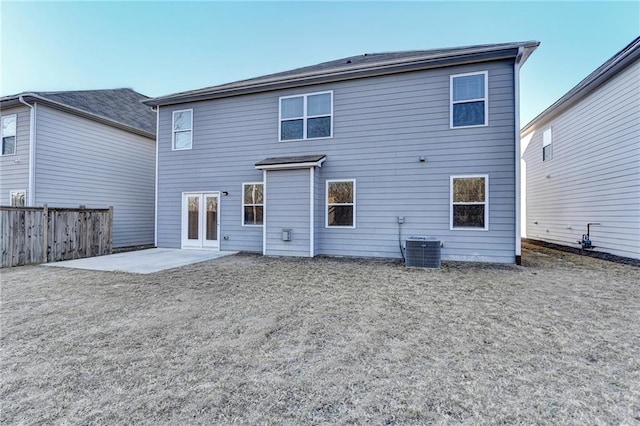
(350, 67)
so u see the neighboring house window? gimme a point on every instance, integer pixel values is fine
(252, 203)
(9, 134)
(546, 145)
(18, 198)
(306, 116)
(182, 133)
(469, 99)
(470, 202)
(341, 203)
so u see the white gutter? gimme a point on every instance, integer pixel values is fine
(32, 151)
(516, 89)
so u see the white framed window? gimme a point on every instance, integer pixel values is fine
(253, 204)
(470, 202)
(308, 116)
(341, 203)
(469, 100)
(18, 198)
(9, 134)
(547, 142)
(182, 130)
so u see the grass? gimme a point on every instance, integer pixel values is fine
(248, 339)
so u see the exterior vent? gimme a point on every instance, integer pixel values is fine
(423, 252)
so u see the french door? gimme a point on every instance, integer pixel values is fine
(201, 220)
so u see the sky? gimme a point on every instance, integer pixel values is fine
(162, 47)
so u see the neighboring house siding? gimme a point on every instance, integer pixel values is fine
(82, 162)
(14, 169)
(381, 126)
(594, 174)
(288, 208)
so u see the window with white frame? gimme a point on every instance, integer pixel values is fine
(18, 198)
(470, 202)
(469, 100)
(341, 203)
(9, 134)
(307, 116)
(252, 204)
(182, 130)
(546, 145)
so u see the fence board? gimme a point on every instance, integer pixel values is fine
(30, 235)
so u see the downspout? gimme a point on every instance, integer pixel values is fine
(155, 220)
(32, 151)
(516, 89)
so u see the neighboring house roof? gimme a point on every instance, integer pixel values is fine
(121, 108)
(618, 62)
(367, 65)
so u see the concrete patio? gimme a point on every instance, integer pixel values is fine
(143, 261)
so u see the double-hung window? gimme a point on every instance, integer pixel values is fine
(182, 130)
(546, 145)
(341, 203)
(9, 135)
(470, 202)
(469, 100)
(252, 203)
(307, 116)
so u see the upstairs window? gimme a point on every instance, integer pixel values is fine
(9, 135)
(546, 145)
(182, 130)
(306, 116)
(252, 203)
(469, 202)
(341, 204)
(469, 100)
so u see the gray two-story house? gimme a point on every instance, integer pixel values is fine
(349, 157)
(94, 148)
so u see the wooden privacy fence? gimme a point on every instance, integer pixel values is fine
(48, 234)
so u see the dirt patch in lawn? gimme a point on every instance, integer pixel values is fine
(249, 339)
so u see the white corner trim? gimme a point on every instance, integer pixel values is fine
(155, 230)
(518, 168)
(311, 212)
(264, 213)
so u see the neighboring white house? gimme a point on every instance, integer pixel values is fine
(94, 148)
(583, 161)
(349, 157)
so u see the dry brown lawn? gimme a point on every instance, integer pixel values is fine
(253, 340)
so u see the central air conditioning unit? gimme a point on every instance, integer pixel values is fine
(422, 252)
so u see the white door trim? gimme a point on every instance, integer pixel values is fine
(201, 243)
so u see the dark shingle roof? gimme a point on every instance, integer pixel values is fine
(618, 62)
(352, 67)
(120, 106)
(292, 159)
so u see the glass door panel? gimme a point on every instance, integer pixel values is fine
(211, 221)
(193, 218)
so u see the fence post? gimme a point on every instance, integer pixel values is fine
(110, 244)
(45, 234)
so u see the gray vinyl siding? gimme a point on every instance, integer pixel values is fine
(382, 125)
(594, 174)
(288, 208)
(82, 162)
(14, 169)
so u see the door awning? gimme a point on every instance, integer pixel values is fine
(291, 162)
